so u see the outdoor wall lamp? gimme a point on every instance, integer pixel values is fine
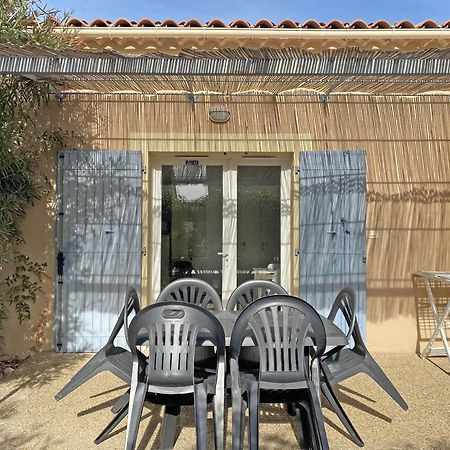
(219, 114)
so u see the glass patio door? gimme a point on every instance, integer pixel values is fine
(220, 220)
(191, 223)
(258, 225)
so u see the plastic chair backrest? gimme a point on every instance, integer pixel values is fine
(131, 303)
(252, 290)
(193, 291)
(346, 303)
(172, 330)
(280, 324)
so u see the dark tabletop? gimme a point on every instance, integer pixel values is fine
(334, 334)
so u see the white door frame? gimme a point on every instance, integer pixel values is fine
(229, 233)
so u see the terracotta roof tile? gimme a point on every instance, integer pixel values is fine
(170, 23)
(312, 24)
(358, 25)
(380, 25)
(239, 23)
(74, 22)
(428, 24)
(404, 24)
(262, 23)
(146, 23)
(122, 23)
(215, 23)
(288, 23)
(335, 24)
(99, 23)
(193, 23)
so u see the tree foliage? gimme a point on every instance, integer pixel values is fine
(30, 22)
(22, 142)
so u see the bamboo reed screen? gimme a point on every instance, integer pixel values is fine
(407, 140)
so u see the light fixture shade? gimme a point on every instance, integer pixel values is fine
(219, 114)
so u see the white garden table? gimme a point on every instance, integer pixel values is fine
(429, 350)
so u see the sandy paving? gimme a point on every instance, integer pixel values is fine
(30, 418)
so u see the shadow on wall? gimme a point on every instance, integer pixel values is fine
(408, 229)
(426, 323)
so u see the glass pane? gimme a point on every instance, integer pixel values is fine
(258, 204)
(191, 228)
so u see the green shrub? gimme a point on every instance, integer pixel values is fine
(22, 143)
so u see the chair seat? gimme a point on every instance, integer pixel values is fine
(344, 365)
(121, 361)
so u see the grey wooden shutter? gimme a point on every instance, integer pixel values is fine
(332, 228)
(99, 236)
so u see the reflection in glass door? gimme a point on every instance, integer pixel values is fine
(223, 220)
(191, 223)
(258, 223)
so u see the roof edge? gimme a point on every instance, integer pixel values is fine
(336, 33)
(145, 39)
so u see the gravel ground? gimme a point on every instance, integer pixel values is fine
(30, 418)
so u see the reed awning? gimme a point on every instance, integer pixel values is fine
(235, 71)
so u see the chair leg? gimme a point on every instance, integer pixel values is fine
(134, 415)
(304, 423)
(113, 424)
(94, 366)
(253, 414)
(237, 416)
(200, 406)
(218, 413)
(318, 417)
(169, 425)
(238, 408)
(329, 394)
(377, 374)
(121, 402)
(291, 409)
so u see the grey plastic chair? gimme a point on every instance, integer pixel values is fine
(171, 378)
(198, 292)
(193, 291)
(341, 363)
(110, 358)
(281, 324)
(344, 302)
(250, 291)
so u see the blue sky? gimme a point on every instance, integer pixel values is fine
(252, 10)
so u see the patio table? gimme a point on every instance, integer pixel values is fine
(442, 277)
(335, 336)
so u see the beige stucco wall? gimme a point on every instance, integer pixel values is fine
(39, 235)
(407, 141)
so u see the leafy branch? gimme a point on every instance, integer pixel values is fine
(22, 143)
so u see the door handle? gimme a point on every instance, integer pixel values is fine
(224, 255)
(344, 225)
